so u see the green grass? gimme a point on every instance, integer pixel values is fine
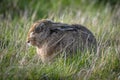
(20, 63)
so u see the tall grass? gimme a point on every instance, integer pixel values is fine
(17, 62)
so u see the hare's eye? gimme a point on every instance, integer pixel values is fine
(37, 29)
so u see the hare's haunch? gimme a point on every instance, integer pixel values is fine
(52, 38)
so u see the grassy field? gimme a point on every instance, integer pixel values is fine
(20, 63)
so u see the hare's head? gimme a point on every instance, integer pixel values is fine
(38, 32)
(41, 30)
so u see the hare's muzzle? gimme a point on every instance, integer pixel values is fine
(28, 43)
(30, 39)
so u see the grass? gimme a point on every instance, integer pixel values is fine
(20, 63)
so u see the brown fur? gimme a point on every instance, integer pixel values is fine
(51, 39)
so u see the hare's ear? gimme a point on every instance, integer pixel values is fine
(62, 27)
(66, 28)
(39, 28)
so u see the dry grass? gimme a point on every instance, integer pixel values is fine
(18, 62)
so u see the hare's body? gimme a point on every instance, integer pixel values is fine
(52, 38)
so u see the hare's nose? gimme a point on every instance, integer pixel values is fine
(28, 41)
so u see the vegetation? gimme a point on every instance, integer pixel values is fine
(17, 62)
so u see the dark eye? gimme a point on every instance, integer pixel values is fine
(39, 28)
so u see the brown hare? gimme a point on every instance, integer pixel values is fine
(52, 38)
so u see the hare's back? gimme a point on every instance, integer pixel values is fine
(85, 36)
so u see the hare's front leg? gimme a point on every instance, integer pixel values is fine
(46, 54)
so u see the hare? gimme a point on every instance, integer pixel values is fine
(52, 38)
